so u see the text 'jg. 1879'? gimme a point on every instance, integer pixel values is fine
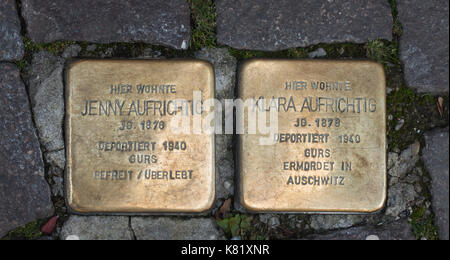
(329, 151)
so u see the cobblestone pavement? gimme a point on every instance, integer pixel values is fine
(37, 39)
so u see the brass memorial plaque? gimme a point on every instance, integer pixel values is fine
(329, 151)
(123, 153)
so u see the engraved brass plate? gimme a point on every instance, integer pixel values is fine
(122, 155)
(330, 149)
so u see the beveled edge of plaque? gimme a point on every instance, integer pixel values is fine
(241, 206)
(72, 209)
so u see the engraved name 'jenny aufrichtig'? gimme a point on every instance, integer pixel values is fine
(122, 155)
(144, 108)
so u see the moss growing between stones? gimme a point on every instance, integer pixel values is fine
(243, 226)
(344, 50)
(418, 112)
(383, 52)
(423, 225)
(54, 47)
(21, 65)
(31, 231)
(297, 53)
(233, 225)
(203, 15)
(248, 54)
(422, 218)
(131, 50)
(397, 27)
(30, 47)
(118, 50)
(334, 51)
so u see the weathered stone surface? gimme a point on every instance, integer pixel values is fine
(71, 51)
(58, 185)
(105, 21)
(424, 44)
(435, 158)
(402, 192)
(327, 222)
(149, 53)
(224, 166)
(270, 220)
(11, 43)
(225, 78)
(400, 197)
(224, 70)
(276, 25)
(168, 228)
(394, 231)
(24, 193)
(401, 164)
(319, 53)
(57, 162)
(56, 158)
(47, 98)
(96, 228)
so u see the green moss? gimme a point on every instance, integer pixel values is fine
(423, 225)
(297, 53)
(31, 47)
(387, 52)
(233, 225)
(334, 51)
(241, 225)
(119, 50)
(422, 219)
(419, 112)
(384, 52)
(21, 65)
(55, 47)
(344, 50)
(203, 15)
(31, 231)
(248, 54)
(397, 26)
(130, 50)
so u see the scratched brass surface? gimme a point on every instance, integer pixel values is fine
(272, 178)
(102, 181)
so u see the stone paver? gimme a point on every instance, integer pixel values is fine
(11, 43)
(105, 21)
(399, 230)
(276, 25)
(401, 164)
(96, 228)
(224, 69)
(401, 193)
(242, 24)
(424, 44)
(435, 158)
(47, 98)
(168, 228)
(225, 75)
(328, 222)
(24, 193)
(401, 196)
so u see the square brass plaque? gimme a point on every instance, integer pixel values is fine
(329, 154)
(122, 155)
